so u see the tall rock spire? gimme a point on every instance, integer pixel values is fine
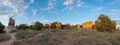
(11, 22)
(11, 25)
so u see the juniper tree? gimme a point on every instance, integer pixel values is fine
(104, 23)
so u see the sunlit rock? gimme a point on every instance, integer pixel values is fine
(88, 25)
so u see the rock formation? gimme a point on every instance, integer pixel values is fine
(79, 26)
(46, 26)
(11, 25)
(58, 25)
(11, 22)
(88, 25)
(66, 26)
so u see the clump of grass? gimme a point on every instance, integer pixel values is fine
(4, 37)
(26, 34)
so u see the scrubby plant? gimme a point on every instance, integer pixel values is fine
(104, 23)
(37, 26)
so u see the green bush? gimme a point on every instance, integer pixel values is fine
(104, 23)
(38, 26)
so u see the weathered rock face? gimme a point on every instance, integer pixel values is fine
(11, 25)
(88, 25)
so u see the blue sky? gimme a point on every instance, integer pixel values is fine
(65, 11)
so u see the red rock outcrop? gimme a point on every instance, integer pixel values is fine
(88, 25)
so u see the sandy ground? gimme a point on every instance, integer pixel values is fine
(9, 42)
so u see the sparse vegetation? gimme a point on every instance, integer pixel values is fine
(4, 37)
(71, 37)
(23, 34)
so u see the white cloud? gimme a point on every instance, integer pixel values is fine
(6, 16)
(51, 5)
(97, 9)
(71, 8)
(45, 21)
(5, 13)
(68, 2)
(115, 2)
(34, 11)
(31, 1)
(115, 11)
(2, 11)
(71, 4)
(79, 3)
(16, 7)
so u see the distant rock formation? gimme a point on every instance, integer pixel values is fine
(79, 26)
(11, 22)
(88, 25)
(58, 25)
(46, 26)
(66, 26)
(11, 25)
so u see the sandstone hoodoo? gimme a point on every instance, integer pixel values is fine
(11, 25)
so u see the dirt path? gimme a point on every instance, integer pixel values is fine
(9, 42)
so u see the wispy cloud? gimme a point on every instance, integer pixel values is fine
(79, 3)
(99, 0)
(114, 2)
(98, 9)
(68, 2)
(71, 4)
(34, 11)
(17, 7)
(31, 1)
(51, 5)
(2, 11)
(115, 11)
(5, 13)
